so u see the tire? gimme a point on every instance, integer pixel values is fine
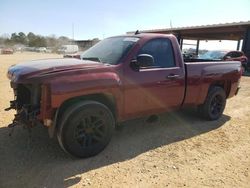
(244, 70)
(214, 105)
(85, 129)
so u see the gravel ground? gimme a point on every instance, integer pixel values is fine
(180, 150)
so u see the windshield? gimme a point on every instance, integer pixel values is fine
(213, 55)
(110, 50)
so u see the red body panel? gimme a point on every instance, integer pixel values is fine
(149, 91)
(200, 76)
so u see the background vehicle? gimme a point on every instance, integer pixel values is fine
(7, 51)
(237, 56)
(76, 55)
(49, 50)
(68, 49)
(41, 49)
(119, 78)
(227, 56)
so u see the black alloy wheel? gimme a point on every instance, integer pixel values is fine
(85, 129)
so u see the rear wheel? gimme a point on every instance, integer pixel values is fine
(85, 129)
(214, 104)
(243, 69)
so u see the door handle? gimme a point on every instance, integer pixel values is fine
(172, 76)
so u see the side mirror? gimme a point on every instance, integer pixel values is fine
(142, 60)
(145, 60)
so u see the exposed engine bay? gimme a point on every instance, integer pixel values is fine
(26, 103)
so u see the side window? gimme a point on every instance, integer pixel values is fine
(230, 54)
(162, 52)
(237, 54)
(234, 55)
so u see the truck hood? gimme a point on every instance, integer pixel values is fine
(38, 68)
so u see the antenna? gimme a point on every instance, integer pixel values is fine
(171, 24)
(73, 32)
(137, 32)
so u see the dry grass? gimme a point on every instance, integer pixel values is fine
(179, 150)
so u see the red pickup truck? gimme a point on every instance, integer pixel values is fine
(119, 78)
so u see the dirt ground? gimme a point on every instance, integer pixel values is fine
(180, 150)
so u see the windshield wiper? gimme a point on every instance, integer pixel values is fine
(97, 59)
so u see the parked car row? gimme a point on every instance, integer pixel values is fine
(38, 49)
(64, 49)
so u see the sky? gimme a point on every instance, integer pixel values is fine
(100, 19)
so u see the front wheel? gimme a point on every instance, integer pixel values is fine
(85, 129)
(214, 104)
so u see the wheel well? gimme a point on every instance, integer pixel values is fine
(106, 99)
(226, 85)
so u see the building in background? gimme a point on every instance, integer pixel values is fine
(85, 44)
(236, 31)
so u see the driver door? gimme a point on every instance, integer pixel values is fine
(155, 88)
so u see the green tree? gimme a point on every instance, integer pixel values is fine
(14, 37)
(22, 38)
(19, 38)
(8, 42)
(31, 37)
(51, 41)
(40, 41)
(36, 41)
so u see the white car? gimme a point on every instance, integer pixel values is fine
(68, 49)
(42, 49)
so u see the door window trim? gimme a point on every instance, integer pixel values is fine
(156, 67)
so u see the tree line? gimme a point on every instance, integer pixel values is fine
(33, 40)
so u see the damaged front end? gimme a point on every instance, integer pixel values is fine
(26, 103)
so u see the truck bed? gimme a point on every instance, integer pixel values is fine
(201, 75)
(201, 60)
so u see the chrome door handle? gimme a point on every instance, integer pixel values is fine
(173, 76)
